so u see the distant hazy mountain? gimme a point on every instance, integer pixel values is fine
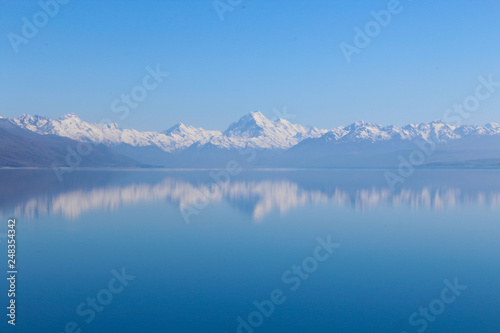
(254, 140)
(24, 148)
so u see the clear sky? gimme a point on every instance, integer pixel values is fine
(264, 55)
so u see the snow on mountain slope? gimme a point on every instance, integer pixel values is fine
(256, 131)
(71, 126)
(181, 136)
(255, 124)
(436, 131)
(24, 148)
(252, 130)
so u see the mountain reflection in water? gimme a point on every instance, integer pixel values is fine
(32, 193)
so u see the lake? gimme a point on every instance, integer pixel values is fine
(261, 251)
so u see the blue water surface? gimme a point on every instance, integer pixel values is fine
(198, 253)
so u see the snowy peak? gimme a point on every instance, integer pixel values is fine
(183, 130)
(250, 125)
(177, 128)
(258, 131)
(71, 116)
(494, 126)
(362, 125)
(27, 119)
(35, 124)
(182, 136)
(258, 117)
(363, 131)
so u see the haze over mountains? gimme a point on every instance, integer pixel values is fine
(253, 140)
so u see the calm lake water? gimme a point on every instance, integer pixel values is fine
(275, 251)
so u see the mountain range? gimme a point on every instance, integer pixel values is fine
(253, 140)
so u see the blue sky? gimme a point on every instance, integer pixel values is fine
(265, 55)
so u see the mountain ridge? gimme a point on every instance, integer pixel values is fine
(23, 148)
(279, 142)
(252, 130)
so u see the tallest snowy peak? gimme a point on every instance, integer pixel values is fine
(249, 125)
(258, 116)
(253, 118)
(179, 127)
(255, 128)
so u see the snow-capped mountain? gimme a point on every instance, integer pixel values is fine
(255, 124)
(281, 143)
(20, 147)
(252, 130)
(71, 126)
(436, 131)
(256, 131)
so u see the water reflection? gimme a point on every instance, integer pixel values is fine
(30, 194)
